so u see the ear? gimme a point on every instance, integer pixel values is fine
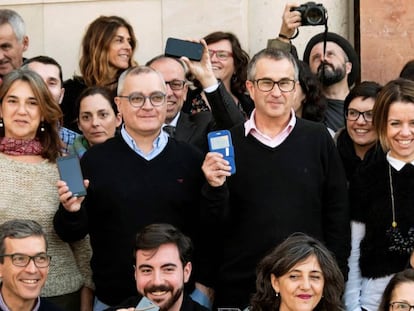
(118, 103)
(250, 88)
(62, 93)
(275, 283)
(118, 119)
(348, 67)
(185, 91)
(25, 43)
(187, 271)
(1, 270)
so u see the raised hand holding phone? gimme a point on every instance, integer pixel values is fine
(220, 141)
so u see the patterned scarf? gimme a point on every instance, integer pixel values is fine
(12, 146)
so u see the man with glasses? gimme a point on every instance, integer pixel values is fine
(289, 178)
(135, 179)
(24, 266)
(194, 128)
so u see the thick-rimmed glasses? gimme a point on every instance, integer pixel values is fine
(137, 100)
(400, 306)
(176, 85)
(22, 260)
(353, 115)
(284, 85)
(220, 54)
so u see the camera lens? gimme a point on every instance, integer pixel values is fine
(314, 16)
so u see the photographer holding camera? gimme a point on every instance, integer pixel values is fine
(330, 57)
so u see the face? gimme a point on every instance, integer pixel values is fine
(11, 50)
(361, 131)
(160, 276)
(301, 288)
(51, 75)
(331, 68)
(20, 111)
(171, 70)
(120, 50)
(97, 119)
(272, 105)
(22, 284)
(403, 293)
(147, 120)
(223, 69)
(400, 131)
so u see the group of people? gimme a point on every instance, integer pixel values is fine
(317, 216)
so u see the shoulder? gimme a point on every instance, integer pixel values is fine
(183, 150)
(202, 117)
(112, 146)
(46, 305)
(191, 305)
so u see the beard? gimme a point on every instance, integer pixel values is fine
(167, 304)
(329, 75)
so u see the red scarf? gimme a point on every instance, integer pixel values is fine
(12, 146)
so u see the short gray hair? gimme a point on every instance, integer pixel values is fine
(19, 229)
(274, 54)
(136, 71)
(15, 21)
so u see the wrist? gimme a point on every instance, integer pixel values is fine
(284, 38)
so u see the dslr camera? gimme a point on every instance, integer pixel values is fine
(312, 14)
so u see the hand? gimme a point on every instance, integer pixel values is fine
(202, 70)
(71, 204)
(291, 20)
(216, 169)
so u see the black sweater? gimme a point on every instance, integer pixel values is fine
(126, 193)
(370, 197)
(298, 186)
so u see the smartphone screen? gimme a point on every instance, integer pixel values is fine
(178, 48)
(71, 173)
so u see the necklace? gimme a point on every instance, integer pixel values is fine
(394, 223)
(398, 243)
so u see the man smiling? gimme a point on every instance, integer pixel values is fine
(163, 265)
(24, 266)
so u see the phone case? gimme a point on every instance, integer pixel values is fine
(177, 48)
(220, 141)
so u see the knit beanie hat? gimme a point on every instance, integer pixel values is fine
(344, 44)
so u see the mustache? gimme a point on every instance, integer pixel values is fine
(158, 288)
(323, 64)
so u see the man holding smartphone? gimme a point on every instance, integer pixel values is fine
(136, 178)
(193, 129)
(289, 179)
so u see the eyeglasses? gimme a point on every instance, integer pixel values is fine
(137, 100)
(220, 54)
(284, 85)
(22, 260)
(353, 115)
(176, 85)
(400, 306)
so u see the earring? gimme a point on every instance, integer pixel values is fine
(42, 126)
(277, 294)
(1, 122)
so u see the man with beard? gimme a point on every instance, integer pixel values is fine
(162, 267)
(337, 69)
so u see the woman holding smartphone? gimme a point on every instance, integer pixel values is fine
(29, 148)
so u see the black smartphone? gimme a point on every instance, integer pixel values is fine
(177, 48)
(71, 173)
(220, 141)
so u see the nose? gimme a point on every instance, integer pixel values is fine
(405, 130)
(305, 283)
(276, 92)
(22, 108)
(157, 278)
(95, 121)
(147, 104)
(169, 90)
(361, 119)
(31, 267)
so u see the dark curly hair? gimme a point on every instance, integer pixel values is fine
(314, 104)
(240, 59)
(295, 249)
